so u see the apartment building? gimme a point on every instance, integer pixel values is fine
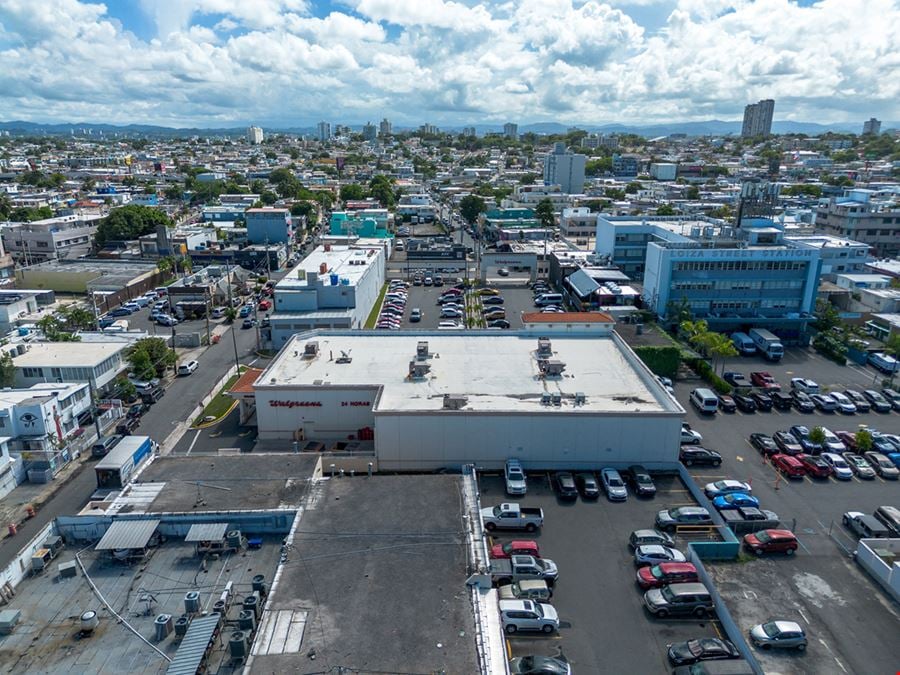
(758, 119)
(50, 238)
(864, 217)
(565, 169)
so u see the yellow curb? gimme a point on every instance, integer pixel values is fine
(207, 425)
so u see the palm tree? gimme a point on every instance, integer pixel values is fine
(720, 347)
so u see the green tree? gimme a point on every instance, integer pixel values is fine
(720, 348)
(693, 192)
(230, 314)
(303, 209)
(173, 192)
(53, 330)
(632, 188)
(470, 207)
(827, 316)
(544, 212)
(863, 439)
(666, 210)
(268, 197)
(129, 222)
(528, 179)
(352, 192)
(381, 188)
(596, 167)
(158, 354)
(7, 370)
(141, 366)
(6, 206)
(817, 435)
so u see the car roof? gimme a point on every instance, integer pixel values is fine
(646, 533)
(788, 626)
(652, 548)
(672, 567)
(780, 533)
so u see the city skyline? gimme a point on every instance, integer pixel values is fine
(218, 63)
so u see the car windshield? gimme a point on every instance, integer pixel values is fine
(667, 594)
(515, 474)
(657, 573)
(763, 537)
(614, 481)
(770, 629)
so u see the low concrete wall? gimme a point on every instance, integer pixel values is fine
(886, 575)
(727, 549)
(346, 463)
(20, 566)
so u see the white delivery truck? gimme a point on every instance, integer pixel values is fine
(767, 343)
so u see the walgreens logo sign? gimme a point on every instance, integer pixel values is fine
(295, 404)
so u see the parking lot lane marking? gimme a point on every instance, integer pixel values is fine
(191, 447)
(508, 650)
(718, 630)
(836, 659)
(803, 615)
(805, 550)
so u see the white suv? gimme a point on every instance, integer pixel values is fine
(188, 368)
(515, 477)
(519, 615)
(804, 385)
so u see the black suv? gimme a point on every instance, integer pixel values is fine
(694, 454)
(565, 485)
(744, 402)
(763, 401)
(639, 479)
(802, 401)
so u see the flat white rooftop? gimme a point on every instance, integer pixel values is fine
(348, 262)
(68, 354)
(497, 373)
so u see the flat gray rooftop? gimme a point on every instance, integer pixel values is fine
(379, 564)
(46, 639)
(254, 481)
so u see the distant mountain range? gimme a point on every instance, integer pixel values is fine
(704, 128)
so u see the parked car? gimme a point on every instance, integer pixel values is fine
(764, 380)
(735, 500)
(526, 589)
(166, 320)
(689, 436)
(736, 379)
(649, 537)
(127, 425)
(815, 466)
(652, 554)
(762, 400)
(498, 323)
(802, 401)
(744, 402)
(678, 600)
(492, 300)
(451, 313)
(859, 465)
(665, 573)
(779, 635)
(848, 439)
(415, 315)
(516, 615)
(565, 485)
(514, 477)
(824, 402)
(539, 665)
(188, 367)
(726, 487)
(515, 547)
(639, 479)
(844, 404)
(860, 401)
(137, 410)
(790, 467)
(726, 403)
(588, 485)
(884, 467)
(493, 313)
(839, 467)
(805, 385)
(689, 455)
(879, 403)
(771, 541)
(801, 433)
(669, 519)
(764, 444)
(891, 396)
(613, 485)
(781, 400)
(787, 443)
(702, 649)
(832, 442)
(865, 526)
(245, 311)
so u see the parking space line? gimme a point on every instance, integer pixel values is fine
(508, 649)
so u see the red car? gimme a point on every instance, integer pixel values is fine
(771, 541)
(522, 547)
(790, 467)
(656, 576)
(815, 466)
(764, 380)
(848, 438)
(264, 305)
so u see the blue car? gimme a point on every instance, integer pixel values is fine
(895, 458)
(120, 311)
(245, 311)
(735, 500)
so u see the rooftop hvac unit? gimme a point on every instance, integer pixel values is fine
(418, 370)
(454, 402)
(422, 349)
(181, 625)
(580, 398)
(311, 349)
(247, 620)
(544, 347)
(192, 602)
(259, 584)
(234, 539)
(237, 644)
(163, 626)
(557, 399)
(552, 367)
(8, 620)
(251, 603)
(545, 398)
(344, 357)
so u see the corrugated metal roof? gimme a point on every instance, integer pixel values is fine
(127, 534)
(193, 647)
(206, 532)
(582, 282)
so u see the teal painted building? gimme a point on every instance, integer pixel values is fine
(370, 223)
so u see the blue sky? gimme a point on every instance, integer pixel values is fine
(447, 62)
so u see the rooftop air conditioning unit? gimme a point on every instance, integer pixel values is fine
(454, 402)
(311, 349)
(418, 370)
(545, 398)
(557, 399)
(422, 350)
(580, 398)
(544, 347)
(552, 367)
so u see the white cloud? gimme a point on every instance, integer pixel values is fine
(449, 62)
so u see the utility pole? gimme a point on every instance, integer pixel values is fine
(237, 361)
(206, 296)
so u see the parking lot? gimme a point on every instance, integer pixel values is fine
(604, 626)
(851, 623)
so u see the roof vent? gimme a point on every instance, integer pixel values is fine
(557, 399)
(544, 347)
(454, 402)
(418, 370)
(311, 350)
(545, 398)
(344, 357)
(551, 367)
(580, 398)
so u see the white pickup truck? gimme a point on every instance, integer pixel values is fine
(510, 516)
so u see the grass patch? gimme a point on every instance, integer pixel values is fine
(376, 308)
(221, 402)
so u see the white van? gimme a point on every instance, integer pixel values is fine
(743, 344)
(705, 401)
(545, 299)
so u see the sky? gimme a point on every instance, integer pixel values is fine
(292, 63)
